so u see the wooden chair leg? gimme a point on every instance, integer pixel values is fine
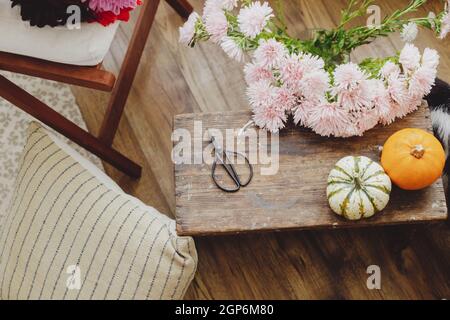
(182, 7)
(53, 119)
(127, 73)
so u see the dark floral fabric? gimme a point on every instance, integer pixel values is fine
(41, 13)
(52, 13)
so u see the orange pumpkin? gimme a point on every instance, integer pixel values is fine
(413, 158)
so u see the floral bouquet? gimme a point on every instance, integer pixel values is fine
(313, 80)
(54, 13)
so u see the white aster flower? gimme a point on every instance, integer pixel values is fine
(409, 32)
(210, 7)
(216, 25)
(388, 69)
(312, 63)
(253, 18)
(431, 19)
(445, 25)
(410, 57)
(218, 5)
(187, 31)
(430, 58)
(229, 4)
(232, 49)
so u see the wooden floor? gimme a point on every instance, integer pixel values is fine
(414, 260)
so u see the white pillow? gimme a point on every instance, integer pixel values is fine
(72, 235)
(86, 46)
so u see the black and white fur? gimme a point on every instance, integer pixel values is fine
(439, 104)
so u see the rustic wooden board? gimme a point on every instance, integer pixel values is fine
(294, 198)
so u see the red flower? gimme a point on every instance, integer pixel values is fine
(108, 17)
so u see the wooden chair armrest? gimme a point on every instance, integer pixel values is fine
(90, 77)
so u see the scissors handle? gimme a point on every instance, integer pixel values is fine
(229, 168)
(236, 182)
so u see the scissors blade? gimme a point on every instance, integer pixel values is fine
(225, 161)
(235, 175)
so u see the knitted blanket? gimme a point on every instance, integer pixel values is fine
(439, 103)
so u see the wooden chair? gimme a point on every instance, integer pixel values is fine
(90, 77)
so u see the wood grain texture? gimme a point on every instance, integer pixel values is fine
(325, 264)
(39, 110)
(127, 73)
(295, 196)
(90, 77)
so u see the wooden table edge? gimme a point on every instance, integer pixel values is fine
(181, 232)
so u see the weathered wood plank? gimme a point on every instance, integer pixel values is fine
(294, 197)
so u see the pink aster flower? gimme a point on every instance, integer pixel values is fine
(311, 62)
(349, 87)
(383, 104)
(284, 98)
(387, 116)
(408, 107)
(187, 31)
(409, 104)
(292, 71)
(232, 49)
(329, 119)
(347, 76)
(216, 25)
(355, 97)
(412, 105)
(364, 119)
(261, 93)
(430, 58)
(254, 73)
(269, 117)
(410, 57)
(415, 103)
(315, 84)
(397, 89)
(421, 82)
(350, 131)
(115, 6)
(253, 19)
(269, 53)
(380, 96)
(302, 112)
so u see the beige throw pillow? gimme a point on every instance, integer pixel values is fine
(69, 234)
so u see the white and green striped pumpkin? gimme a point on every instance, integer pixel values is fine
(358, 188)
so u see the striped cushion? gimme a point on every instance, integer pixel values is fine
(67, 235)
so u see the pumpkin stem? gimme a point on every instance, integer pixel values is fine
(418, 151)
(357, 181)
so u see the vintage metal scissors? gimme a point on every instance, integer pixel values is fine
(221, 157)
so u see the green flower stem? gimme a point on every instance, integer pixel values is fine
(333, 46)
